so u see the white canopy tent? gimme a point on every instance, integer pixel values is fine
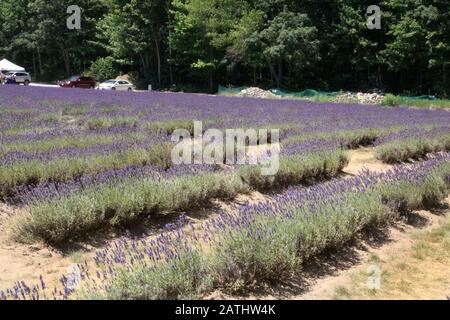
(6, 65)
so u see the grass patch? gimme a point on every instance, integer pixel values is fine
(393, 100)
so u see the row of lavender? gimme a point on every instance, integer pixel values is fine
(62, 150)
(264, 241)
(44, 127)
(29, 111)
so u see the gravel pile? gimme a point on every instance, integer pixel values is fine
(254, 92)
(360, 97)
(348, 97)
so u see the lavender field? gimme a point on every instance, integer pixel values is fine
(77, 162)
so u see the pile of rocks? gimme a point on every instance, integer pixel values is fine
(346, 98)
(360, 97)
(254, 92)
(369, 98)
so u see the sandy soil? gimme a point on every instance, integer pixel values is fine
(364, 158)
(395, 241)
(21, 262)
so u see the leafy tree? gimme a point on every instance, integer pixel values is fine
(132, 32)
(289, 37)
(200, 43)
(103, 69)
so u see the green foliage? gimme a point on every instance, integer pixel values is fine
(393, 101)
(120, 203)
(181, 278)
(415, 148)
(272, 248)
(305, 168)
(103, 69)
(198, 43)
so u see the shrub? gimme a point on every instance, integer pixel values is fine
(120, 203)
(273, 247)
(109, 122)
(180, 278)
(391, 100)
(296, 169)
(169, 126)
(402, 150)
(103, 69)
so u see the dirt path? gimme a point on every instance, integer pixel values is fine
(410, 262)
(21, 262)
(364, 158)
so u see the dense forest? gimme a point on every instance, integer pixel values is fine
(198, 44)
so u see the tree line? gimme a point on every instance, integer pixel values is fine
(197, 44)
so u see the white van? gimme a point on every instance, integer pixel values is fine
(21, 77)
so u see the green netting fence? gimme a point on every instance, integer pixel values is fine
(308, 93)
(279, 92)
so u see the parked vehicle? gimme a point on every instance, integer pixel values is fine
(121, 85)
(20, 77)
(78, 82)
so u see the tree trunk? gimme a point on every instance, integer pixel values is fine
(273, 74)
(34, 62)
(211, 80)
(380, 83)
(158, 55)
(280, 72)
(65, 56)
(444, 80)
(169, 23)
(144, 66)
(66, 61)
(39, 62)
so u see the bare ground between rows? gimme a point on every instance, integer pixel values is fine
(28, 262)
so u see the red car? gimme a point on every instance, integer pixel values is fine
(78, 82)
